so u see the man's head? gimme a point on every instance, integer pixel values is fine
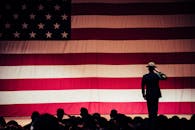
(83, 112)
(151, 66)
(46, 122)
(35, 115)
(60, 113)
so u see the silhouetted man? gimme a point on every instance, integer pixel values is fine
(87, 119)
(152, 94)
(46, 122)
(34, 116)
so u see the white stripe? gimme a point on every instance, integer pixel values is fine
(97, 46)
(132, 21)
(70, 71)
(92, 95)
(127, 1)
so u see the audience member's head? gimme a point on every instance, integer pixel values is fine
(2, 122)
(35, 115)
(46, 122)
(60, 114)
(83, 112)
(13, 125)
(113, 113)
(193, 117)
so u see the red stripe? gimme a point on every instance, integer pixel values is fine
(132, 33)
(103, 108)
(96, 58)
(133, 8)
(90, 83)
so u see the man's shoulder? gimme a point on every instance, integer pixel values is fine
(146, 75)
(150, 75)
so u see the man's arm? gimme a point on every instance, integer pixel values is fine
(143, 88)
(161, 75)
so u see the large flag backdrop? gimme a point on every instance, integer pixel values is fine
(98, 60)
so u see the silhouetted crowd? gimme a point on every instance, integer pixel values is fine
(95, 121)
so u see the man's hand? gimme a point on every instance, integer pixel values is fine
(144, 96)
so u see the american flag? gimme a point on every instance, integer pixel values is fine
(82, 53)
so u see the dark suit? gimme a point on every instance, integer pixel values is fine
(153, 93)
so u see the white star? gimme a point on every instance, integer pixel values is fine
(64, 17)
(16, 34)
(64, 34)
(24, 7)
(41, 25)
(48, 34)
(56, 26)
(24, 26)
(40, 7)
(32, 35)
(7, 25)
(32, 16)
(48, 17)
(57, 7)
(15, 16)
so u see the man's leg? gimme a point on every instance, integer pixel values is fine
(152, 108)
(153, 111)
